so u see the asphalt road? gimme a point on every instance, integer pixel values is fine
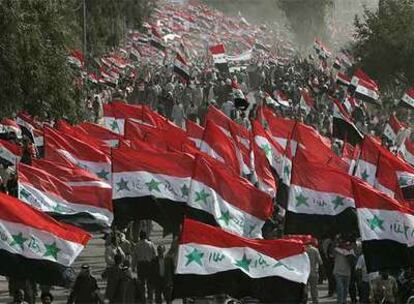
(94, 256)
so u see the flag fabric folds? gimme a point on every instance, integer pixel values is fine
(386, 227)
(87, 204)
(212, 261)
(36, 247)
(219, 197)
(320, 201)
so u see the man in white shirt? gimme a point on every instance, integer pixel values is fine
(144, 253)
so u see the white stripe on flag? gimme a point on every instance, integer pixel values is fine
(307, 201)
(35, 241)
(217, 259)
(228, 216)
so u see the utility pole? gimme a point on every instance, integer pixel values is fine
(84, 32)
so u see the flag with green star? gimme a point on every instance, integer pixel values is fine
(33, 241)
(386, 228)
(210, 254)
(69, 192)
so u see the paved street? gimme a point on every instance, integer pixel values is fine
(94, 256)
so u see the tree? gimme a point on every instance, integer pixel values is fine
(34, 72)
(307, 19)
(35, 39)
(385, 42)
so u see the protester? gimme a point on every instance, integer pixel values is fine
(384, 289)
(162, 270)
(128, 289)
(46, 298)
(363, 279)
(144, 252)
(315, 264)
(113, 277)
(18, 297)
(85, 289)
(342, 269)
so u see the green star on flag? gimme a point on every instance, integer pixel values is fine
(301, 200)
(365, 175)
(103, 174)
(403, 181)
(286, 169)
(184, 190)
(153, 185)
(18, 240)
(267, 149)
(280, 264)
(375, 222)
(52, 250)
(195, 256)
(244, 263)
(338, 201)
(58, 208)
(225, 217)
(201, 196)
(24, 193)
(114, 125)
(122, 185)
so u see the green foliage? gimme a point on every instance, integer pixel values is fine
(33, 59)
(385, 41)
(307, 19)
(35, 37)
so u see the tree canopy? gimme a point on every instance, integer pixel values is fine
(385, 41)
(35, 39)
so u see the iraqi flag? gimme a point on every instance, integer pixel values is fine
(407, 151)
(156, 39)
(262, 175)
(307, 103)
(8, 126)
(117, 112)
(110, 138)
(282, 99)
(194, 132)
(408, 99)
(229, 127)
(219, 57)
(219, 197)
(86, 204)
(393, 127)
(34, 246)
(366, 89)
(76, 58)
(343, 79)
(219, 146)
(212, 261)
(78, 152)
(181, 67)
(27, 125)
(280, 128)
(274, 152)
(320, 200)
(343, 126)
(10, 153)
(150, 185)
(350, 155)
(386, 228)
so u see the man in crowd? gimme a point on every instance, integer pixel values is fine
(342, 269)
(162, 272)
(113, 277)
(315, 263)
(85, 289)
(144, 252)
(384, 289)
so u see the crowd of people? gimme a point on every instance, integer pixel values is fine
(138, 271)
